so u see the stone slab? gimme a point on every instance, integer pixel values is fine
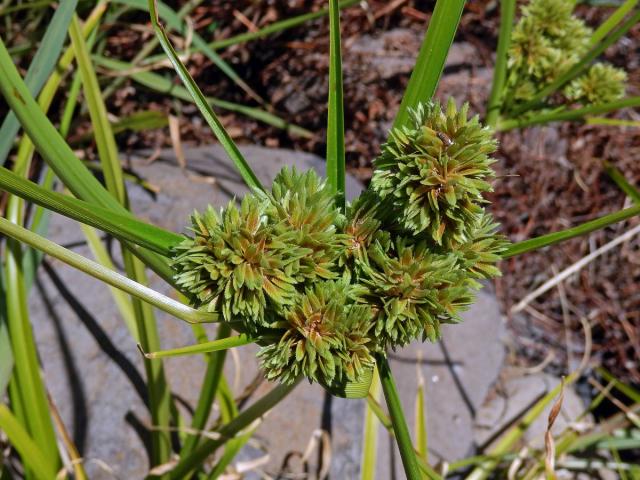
(95, 373)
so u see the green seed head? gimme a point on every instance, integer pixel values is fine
(432, 175)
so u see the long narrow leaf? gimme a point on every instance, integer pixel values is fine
(432, 56)
(103, 135)
(201, 102)
(161, 84)
(614, 19)
(35, 459)
(206, 347)
(335, 121)
(122, 226)
(557, 237)
(27, 368)
(40, 68)
(507, 12)
(568, 115)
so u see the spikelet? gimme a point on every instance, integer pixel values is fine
(325, 338)
(601, 84)
(432, 175)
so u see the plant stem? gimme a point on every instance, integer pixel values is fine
(507, 12)
(109, 277)
(407, 453)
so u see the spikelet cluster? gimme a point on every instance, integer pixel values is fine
(546, 42)
(323, 291)
(432, 175)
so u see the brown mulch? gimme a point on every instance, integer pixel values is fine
(549, 178)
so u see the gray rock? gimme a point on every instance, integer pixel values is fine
(95, 374)
(514, 395)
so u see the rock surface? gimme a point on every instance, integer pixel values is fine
(96, 378)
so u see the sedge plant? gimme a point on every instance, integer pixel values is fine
(325, 287)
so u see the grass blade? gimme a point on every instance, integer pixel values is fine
(616, 175)
(557, 237)
(33, 457)
(103, 135)
(370, 436)
(567, 115)
(26, 367)
(507, 13)
(174, 22)
(614, 19)
(229, 430)
(201, 102)
(40, 68)
(123, 227)
(335, 121)
(432, 56)
(161, 84)
(276, 27)
(421, 422)
(110, 277)
(205, 347)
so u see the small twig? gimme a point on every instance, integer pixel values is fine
(565, 319)
(242, 18)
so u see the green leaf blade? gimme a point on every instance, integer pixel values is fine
(335, 122)
(431, 58)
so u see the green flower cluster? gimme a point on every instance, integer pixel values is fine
(545, 43)
(432, 176)
(324, 291)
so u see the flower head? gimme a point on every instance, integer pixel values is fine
(603, 83)
(238, 263)
(407, 284)
(325, 338)
(433, 174)
(303, 205)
